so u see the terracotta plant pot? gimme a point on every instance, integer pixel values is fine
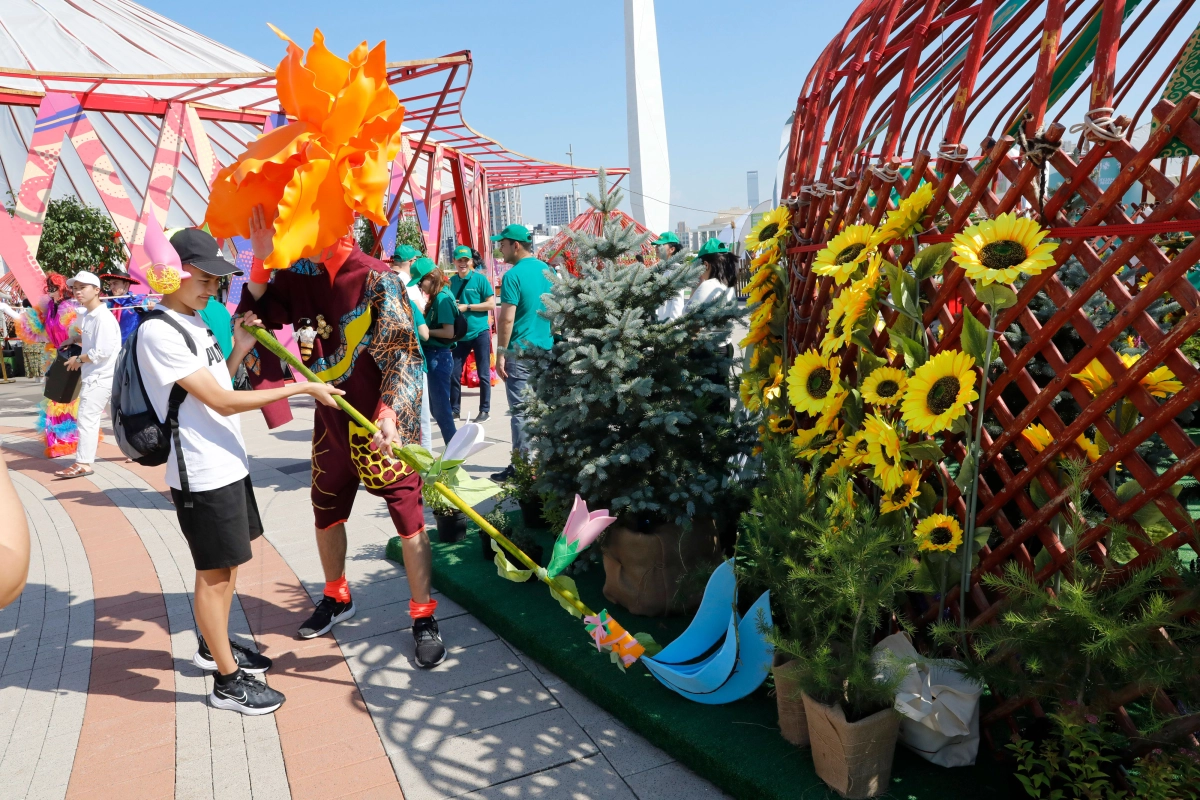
(854, 758)
(642, 570)
(793, 724)
(451, 527)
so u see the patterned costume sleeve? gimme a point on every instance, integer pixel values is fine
(397, 351)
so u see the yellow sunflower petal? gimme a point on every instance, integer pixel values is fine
(841, 258)
(938, 533)
(811, 380)
(999, 250)
(885, 386)
(939, 391)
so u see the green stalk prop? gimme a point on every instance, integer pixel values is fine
(977, 449)
(271, 343)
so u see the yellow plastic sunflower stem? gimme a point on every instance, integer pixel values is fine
(271, 343)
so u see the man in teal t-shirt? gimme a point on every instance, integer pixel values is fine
(475, 297)
(519, 324)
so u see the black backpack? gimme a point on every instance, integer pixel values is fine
(140, 435)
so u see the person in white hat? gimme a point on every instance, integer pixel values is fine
(101, 341)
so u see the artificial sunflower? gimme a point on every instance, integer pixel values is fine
(764, 258)
(883, 452)
(811, 380)
(856, 449)
(769, 230)
(885, 386)
(870, 281)
(939, 391)
(905, 221)
(750, 392)
(774, 387)
(833, 407)
(938, 533)
(845, 252)
(802, 439)
(1039, 437)
(903, 495)
(823, 442)
(844, 315)
(1159, 382)
(784, 424)
(998, 250)
(1090, 448)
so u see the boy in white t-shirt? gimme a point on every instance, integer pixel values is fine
(210, 485)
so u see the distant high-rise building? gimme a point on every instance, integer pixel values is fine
(561, 209)
(506, 208)
(752, 188)
(682, 232)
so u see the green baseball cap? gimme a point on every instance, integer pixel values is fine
(420, 268)
(462, 251)
(668, 238)
(517, 233)
(406, 252)
(711, 247)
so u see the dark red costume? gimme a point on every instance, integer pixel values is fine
(367, 347)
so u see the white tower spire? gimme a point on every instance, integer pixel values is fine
(649, 169)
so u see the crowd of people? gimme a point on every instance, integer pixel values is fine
(392, 340)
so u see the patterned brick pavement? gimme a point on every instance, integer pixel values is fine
(98, 696)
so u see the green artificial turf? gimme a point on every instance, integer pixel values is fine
(736, 746)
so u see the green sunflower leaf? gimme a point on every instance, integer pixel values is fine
(852, 412)
(996, 296)
(966, 473)
(868, 362)
(915, 353)
(961, 425)
(927, 499)
(924, 450)
(863, 339)
(931, 260)
(974, 336)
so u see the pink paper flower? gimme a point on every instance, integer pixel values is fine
(583, 526)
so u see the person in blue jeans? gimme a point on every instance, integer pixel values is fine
(473, 293)
(519, 326)
(440, 311)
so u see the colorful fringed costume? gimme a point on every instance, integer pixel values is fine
(48, 325)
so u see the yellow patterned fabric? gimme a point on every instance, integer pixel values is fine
(376, 470)
(354, 333)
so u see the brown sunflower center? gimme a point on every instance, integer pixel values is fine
(887, 388)
(1002, 254)
(820, 381)
(887, 459)
(899, 494)
(839, 327)
(942, 394)
(849, 254)
(862, 447)
(941, 536)
(768, 232)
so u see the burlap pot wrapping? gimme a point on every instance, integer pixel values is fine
(854, 758)
(793, 723)
(642, 570)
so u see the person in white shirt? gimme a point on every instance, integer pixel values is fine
(208, 472)
(667, 244)
(717, 284)
(101, 342)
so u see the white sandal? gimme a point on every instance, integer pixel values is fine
(74, 471)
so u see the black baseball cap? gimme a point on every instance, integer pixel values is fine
(198, 248)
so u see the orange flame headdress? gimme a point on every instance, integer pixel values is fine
(332, 161)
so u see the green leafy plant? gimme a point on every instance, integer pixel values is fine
(842, 586)
(621, 409)
(408, 231)
(438, 505)
(76, 237)
(522, 486)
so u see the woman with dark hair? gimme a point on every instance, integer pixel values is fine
(717, 283)
(440, 311)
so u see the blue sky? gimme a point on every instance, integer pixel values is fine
(548, 74)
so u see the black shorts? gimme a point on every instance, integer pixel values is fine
(220, 524)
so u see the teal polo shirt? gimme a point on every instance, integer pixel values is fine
(441, 312)
(523, 286)
(475, 288)
(418, 321)
(218, 319)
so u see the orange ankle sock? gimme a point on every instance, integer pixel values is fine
(417, 610)
(339, 590)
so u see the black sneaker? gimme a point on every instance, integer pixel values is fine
(483, 417)
(430, 650)
(245, 695)
(504, 474)
(328, 613)
(247, 659)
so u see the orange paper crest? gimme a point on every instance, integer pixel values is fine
(332, 161)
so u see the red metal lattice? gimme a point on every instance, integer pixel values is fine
(903, 69)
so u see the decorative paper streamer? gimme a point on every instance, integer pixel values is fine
(608, 634)
(508, 571)
(582, 528)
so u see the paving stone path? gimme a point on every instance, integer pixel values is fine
(99, 698)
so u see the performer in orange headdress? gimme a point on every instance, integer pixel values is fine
(294, 194)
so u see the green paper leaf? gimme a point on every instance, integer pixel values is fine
(861, 338)
(472, 490)
(909, 296)
(924, 450)
(567, 583)
(868, 362)
(563, 554)
(652, 647)
(927, 499)
(966, 473)
(996, 296)
(961, 425)
(914, 353)
(931, 260)
(974, 336)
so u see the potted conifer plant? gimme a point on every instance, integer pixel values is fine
(839, 595)
(621, 411)
(451, 523)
